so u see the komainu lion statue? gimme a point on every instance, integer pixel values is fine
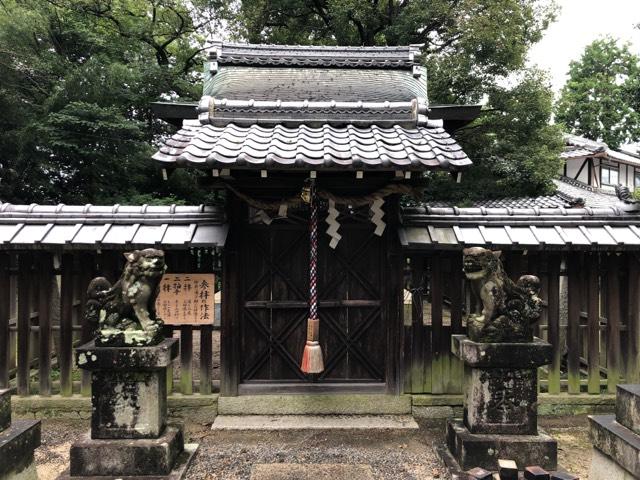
(508, 309)
(124, 314)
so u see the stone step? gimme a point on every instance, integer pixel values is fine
(314, 422)
(5, 409)
(318, 471)
(315, 404)
(628, 407)
(617, 442)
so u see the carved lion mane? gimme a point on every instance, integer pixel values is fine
(125, 314)
(508, 308)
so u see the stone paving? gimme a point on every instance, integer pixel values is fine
(353, 455)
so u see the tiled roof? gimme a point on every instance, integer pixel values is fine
(314, 56)
(325, 147)
(546, 201)
(316, 84)
(90, 226)
(580, 147)
(523, 228)
(592, 196)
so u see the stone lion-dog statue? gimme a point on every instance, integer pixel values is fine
(508, 308)
(124, 314)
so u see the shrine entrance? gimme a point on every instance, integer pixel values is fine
(274, 304)
(358, 304)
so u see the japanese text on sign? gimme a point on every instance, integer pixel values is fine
(186, 299)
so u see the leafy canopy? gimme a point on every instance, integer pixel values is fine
(601, 99)
(78, 78)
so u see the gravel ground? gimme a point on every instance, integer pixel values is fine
(401, 455)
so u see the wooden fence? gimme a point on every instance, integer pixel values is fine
(42, 298)
(591, 316)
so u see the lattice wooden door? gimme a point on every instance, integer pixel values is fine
(274, 303)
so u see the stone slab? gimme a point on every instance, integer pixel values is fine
(91, 357)
(483, 450)
(178, 473)
(325, 404)
(128, 404)
(502, 401)
(157, 456)
(501, 355)
(17, 444)
(314, 422)
(318, 471)
(5, 409)
(603, 467)
(628, 407)
(196, 407)
(28, 473)
(616, 441)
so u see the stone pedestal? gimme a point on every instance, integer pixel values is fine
(500, 406)
(18, 440)
(129, 434)
(616, 438)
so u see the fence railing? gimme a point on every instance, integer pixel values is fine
(591, 316)
(42, 298)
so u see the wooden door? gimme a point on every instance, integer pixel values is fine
(274, 265)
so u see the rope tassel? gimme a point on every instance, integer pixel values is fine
(312, 361)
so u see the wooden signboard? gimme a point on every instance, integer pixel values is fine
(187, 299)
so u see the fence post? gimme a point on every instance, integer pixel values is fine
(593, 322)
(573, 327)
(417, 374)
(45, 268)
(554, 322)
(438, 349)
(633, 320)
(5, 334)
(65, 355)
(613, 323)
(25, 263)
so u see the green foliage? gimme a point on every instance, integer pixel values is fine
(470, 49)
(601, 99)
(516, 150)
(78, 78)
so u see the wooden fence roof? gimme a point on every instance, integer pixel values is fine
(94, 227)
(520, 228)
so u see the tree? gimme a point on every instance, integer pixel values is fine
(78, 78)
(470, 50)
(601, 98)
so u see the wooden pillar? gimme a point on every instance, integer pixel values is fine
(206, 358)
(45, 275)
(394, 297)
(573, 327)
(5, 335)
(613, 323)
(456, 377)
(593, 323)
(633, 320)
(554, 322)
(230, 307)
(437, 336)
(25, 264)
(65, 355)
(420, 372)
(186, 359)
